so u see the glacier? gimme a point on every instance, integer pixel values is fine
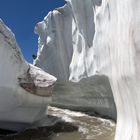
(97, 37)
(117, 37)
(65, 51)
(25, 90)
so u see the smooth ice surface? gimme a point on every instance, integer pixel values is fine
(117, 46)
(21, 85)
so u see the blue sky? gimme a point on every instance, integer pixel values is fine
(21, 16)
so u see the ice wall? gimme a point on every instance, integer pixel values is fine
(66, 40)
(92, 95)
(117, 46)
(66, 51)
(55, 42)
(104, 40)
(22, 85)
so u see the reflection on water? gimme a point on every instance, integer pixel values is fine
(90, 128)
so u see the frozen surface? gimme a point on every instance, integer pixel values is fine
(66, 51)
(21, 85)
(89, 37)
(117, 46)
(91, 95)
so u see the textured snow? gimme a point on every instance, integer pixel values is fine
(19, 105)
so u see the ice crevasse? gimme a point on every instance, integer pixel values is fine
(94, 37)
(66, 51)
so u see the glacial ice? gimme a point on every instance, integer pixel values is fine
(66, 51)
(117, 45)
(89, 37)
(22, 85)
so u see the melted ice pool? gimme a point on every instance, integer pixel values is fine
(90, 128)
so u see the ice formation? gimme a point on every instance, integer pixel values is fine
(21, 86)
(92, 95)
(89, 37)
(117, 46)
(66, 51)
